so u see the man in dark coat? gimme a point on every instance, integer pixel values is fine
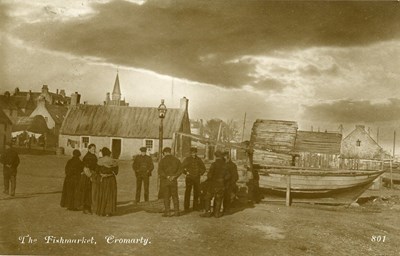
(143, 166)
(230, 184)
(217, 177)
(193, 167)
(169, 169)
(10, 161)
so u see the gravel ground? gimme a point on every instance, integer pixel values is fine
(263, 229)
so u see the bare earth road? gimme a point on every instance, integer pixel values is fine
(265, 229)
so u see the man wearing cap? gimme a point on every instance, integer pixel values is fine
(10, 161)
(230, 184)
(169, 169)
(143, 166)
(193, 167)
(217, 177)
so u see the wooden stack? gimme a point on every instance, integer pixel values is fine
(273, 141)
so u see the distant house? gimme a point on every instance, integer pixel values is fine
(121, 128)
(197, 127)
(359, 144)
(53, 114)
(8, 106)
(5, 130)
(317, 149)
(359, 150)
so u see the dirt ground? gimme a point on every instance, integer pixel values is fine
(372, 228)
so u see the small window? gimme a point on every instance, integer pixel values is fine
(85, 142)
(358, 143)
(149, 145)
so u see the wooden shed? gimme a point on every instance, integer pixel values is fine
(317, 149)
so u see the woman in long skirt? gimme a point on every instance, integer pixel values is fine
(107, 198)
(70, 193)
(88, 180)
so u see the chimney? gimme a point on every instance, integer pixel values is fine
(41, 101)
(62, 92)
(57, 91)
(359, 126)
(29, 95)
(107, 97)
(184, 104)
(75, 99)
(45, 89)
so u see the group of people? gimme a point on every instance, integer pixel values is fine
(90, 184)
(220, 184)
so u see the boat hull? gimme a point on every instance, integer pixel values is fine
(339, 186)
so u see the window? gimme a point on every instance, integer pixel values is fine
(85, 142)
(358, 143)
(149, 145)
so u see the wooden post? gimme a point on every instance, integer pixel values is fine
(244, 124)
(173, 144)
(394, 144)
(181, 145)
(219, 133)
(207, 152)
(288, 190)
(391, 174)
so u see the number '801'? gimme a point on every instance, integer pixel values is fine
(378, 239)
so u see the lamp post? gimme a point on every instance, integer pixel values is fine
(162, 110)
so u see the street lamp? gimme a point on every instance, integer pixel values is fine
(162, 111)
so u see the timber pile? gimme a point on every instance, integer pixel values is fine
(271, 158)
(273, 141)
(274, 135)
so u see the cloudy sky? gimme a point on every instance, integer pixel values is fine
(319, 63)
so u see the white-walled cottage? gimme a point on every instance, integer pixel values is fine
(123, 129)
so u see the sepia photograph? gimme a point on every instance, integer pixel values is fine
(198, 127)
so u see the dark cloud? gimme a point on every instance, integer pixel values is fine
(197, 40)
(349, 111)
(269, 84)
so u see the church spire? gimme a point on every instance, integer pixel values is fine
(116, 94)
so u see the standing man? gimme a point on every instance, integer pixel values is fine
(10, 161)
(169, 170)
(230, 185)
(217, 177)
(143, 166)
(193, 167)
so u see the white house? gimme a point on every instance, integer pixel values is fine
(123, 129)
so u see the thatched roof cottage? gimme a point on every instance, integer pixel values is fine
(121, 128)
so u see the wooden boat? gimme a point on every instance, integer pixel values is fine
(336, 186)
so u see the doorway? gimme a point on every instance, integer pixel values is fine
(116, 148)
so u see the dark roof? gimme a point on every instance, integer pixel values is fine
(120, 121)
(58, 113)
(275, 135)
(318, 142)
(7, 102)
(36, 124)
(4, 118)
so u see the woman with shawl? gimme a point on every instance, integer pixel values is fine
(107, 197)
(70, 193)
